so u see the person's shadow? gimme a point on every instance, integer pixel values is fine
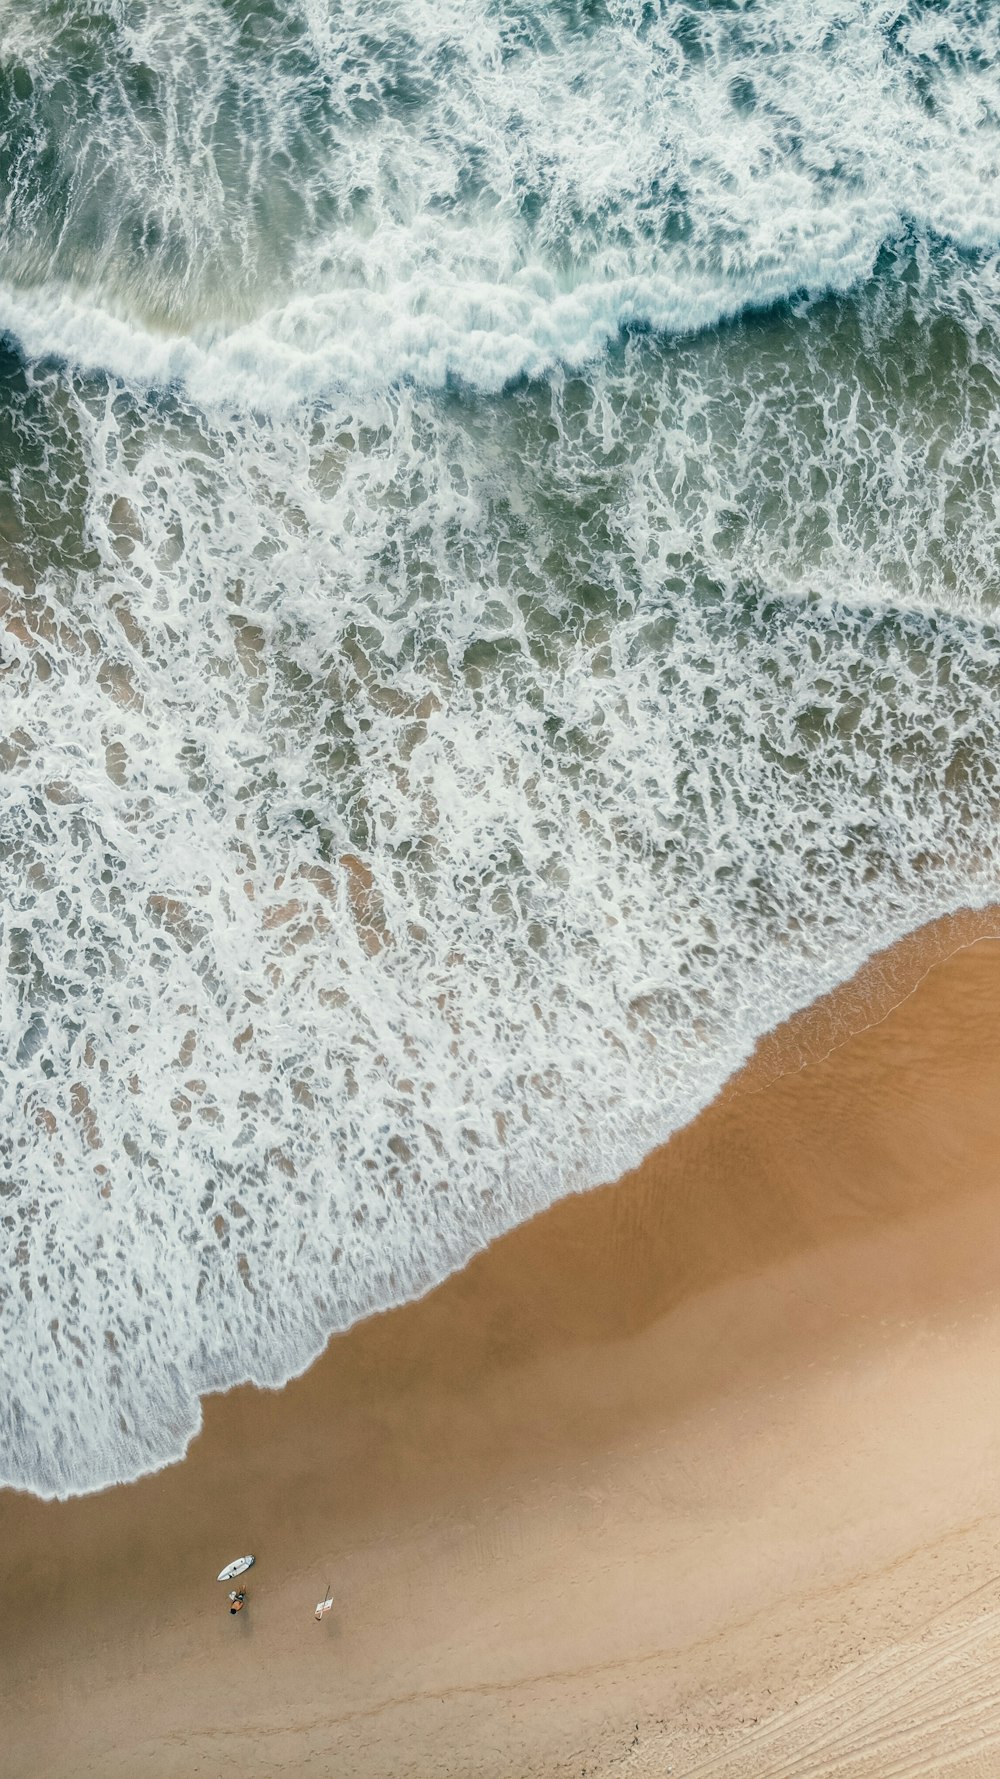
(329, 1627)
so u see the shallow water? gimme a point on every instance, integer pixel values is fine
(498, 540)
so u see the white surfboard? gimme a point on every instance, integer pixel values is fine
(235, 1568)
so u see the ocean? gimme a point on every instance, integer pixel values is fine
(499, 575)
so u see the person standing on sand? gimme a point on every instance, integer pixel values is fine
(238, 1600)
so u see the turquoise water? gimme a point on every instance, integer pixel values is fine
(498, 549)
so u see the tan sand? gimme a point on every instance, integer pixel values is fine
(697, 1474)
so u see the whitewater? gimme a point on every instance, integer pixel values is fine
(499, 581)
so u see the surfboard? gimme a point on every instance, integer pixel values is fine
(237, 1567)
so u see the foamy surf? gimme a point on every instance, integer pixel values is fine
(273, 207)
(418, 798)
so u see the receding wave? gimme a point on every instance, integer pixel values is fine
(440, 732)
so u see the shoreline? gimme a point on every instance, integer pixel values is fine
(705, 1385)
(812, 1031)
(857, 1003)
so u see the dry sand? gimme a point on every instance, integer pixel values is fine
(697, 1474)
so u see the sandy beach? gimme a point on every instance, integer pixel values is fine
(695, 1474)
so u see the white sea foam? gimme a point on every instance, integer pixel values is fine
(337, 198)
(415, 804)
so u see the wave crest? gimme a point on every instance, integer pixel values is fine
(269, 206)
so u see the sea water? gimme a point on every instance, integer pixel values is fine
(498, 563)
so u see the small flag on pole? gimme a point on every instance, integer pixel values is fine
(324, 1606)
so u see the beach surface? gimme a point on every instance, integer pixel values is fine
(694, 1474)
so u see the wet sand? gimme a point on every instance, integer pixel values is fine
(698, 1473)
